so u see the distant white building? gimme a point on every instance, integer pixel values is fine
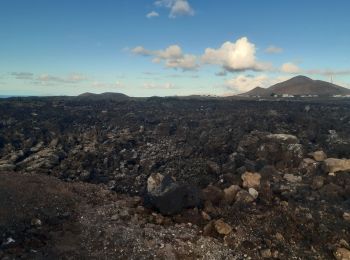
(341, 96)
(309, 96)
(287, 96)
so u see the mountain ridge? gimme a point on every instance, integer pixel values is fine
(299, 85)
(102, 96)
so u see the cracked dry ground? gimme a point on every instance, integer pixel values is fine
(87, 180)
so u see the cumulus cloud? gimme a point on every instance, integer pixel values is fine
(181, 7)
(243, 83)
(186, 62)
(177, 7)
(273, 49)
(22, 75)
(172, 52)
(152, 14)
(290, 67)
(171, 57)
(235, 56)
(151, 85)
(139, 50)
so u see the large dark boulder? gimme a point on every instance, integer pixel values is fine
(169, 197)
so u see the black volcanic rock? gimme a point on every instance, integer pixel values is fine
(103, 96)
(187, 145)
(300, 85)
(170, 197)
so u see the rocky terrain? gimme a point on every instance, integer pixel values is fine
(300, 86)
(169, 178)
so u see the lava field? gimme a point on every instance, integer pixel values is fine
(174, 178)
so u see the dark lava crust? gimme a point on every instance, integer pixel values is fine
(74, 174)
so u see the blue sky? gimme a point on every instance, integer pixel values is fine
(169, 47)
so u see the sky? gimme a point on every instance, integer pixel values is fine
(169, 47)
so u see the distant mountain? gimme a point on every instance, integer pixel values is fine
(103, 96)
(9, 96)
(258, 91)
(300, 85)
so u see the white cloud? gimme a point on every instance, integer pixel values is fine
(139, 50)
(152, 14)
(235, 56)
(151, 85)
(177, 7)
(273, 49)
(164, 3)
(193, 76)
(99, 84)
(290, 67)
(181, 7)
(75, 77)
(171, 57)
(186, 62)
(72, 78)
(172, 52)
(243, 83)
(49, 78)
(328, 72)
(22, 75)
